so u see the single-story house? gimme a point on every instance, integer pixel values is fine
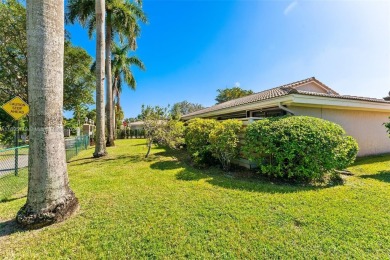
(137, 125)
(361, 117)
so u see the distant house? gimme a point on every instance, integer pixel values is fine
(138, 125)
(361, 117)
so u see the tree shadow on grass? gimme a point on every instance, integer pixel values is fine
(9, 227)
(191, 175)
(166, 165)
(380, 176)
(91, 160)
(234, 180)
(144, 144)
(371, 159)
(12, 198)
(253, 184)
(133, 158)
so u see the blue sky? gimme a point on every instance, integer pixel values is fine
(192, 48)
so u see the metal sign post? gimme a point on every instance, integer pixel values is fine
(16, 108)
(16, 149)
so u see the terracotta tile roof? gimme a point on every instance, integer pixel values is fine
(279, 92)
(343, 97)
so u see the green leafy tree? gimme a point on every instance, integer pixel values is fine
(231, 93)
(79, 81)
(133, 119)
(13, 50)
(161, 129)
(7, 129)
(153, 118)
(182, 108)
(122, 20)
(91, 114)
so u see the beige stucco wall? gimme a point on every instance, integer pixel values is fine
(365, 126)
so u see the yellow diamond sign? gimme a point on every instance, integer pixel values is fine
(16, 108)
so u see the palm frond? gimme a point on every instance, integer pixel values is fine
(79, 10)
(133, 60)
(91, 25)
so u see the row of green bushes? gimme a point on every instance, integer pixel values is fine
(130, 133)
(208, 139)
(297, 147)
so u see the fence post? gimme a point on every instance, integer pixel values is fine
(16, 148)
(76, 144)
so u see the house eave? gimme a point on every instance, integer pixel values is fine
(301, 100)
(287, 99)
(338, 103)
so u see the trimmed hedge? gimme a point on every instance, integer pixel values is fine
(298, 147)
(209, 141)
(224, 141)
(197, 140)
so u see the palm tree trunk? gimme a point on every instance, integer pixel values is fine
(110, 118)
(114, 115)
(100, 147)
(114, 89)
(49, 197)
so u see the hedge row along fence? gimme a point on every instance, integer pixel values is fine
(293, 147)
(130, 133)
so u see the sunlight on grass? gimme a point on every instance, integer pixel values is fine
(132, 207)
(11, 185)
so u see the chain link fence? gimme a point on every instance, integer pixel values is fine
(13, 171)
(14, 166)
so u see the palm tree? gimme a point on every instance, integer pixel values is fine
(122, 18)
(49, 197)
(100, 146)
(121, 69)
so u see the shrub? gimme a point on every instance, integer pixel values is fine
(298, 147)
(121, 133)
(197, 140)
(174, 134)
(224, 139)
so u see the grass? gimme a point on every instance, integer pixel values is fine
(13, 185)
(159, 207)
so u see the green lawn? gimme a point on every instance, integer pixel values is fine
(13, 185)
(159, 207)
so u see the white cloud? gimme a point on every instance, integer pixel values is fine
(290, 7)
(237, 84)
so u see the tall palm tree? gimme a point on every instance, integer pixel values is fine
(100, 146)
(121, 69)
(122, 17)
(49, 198)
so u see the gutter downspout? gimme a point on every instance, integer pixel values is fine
(286, 109)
